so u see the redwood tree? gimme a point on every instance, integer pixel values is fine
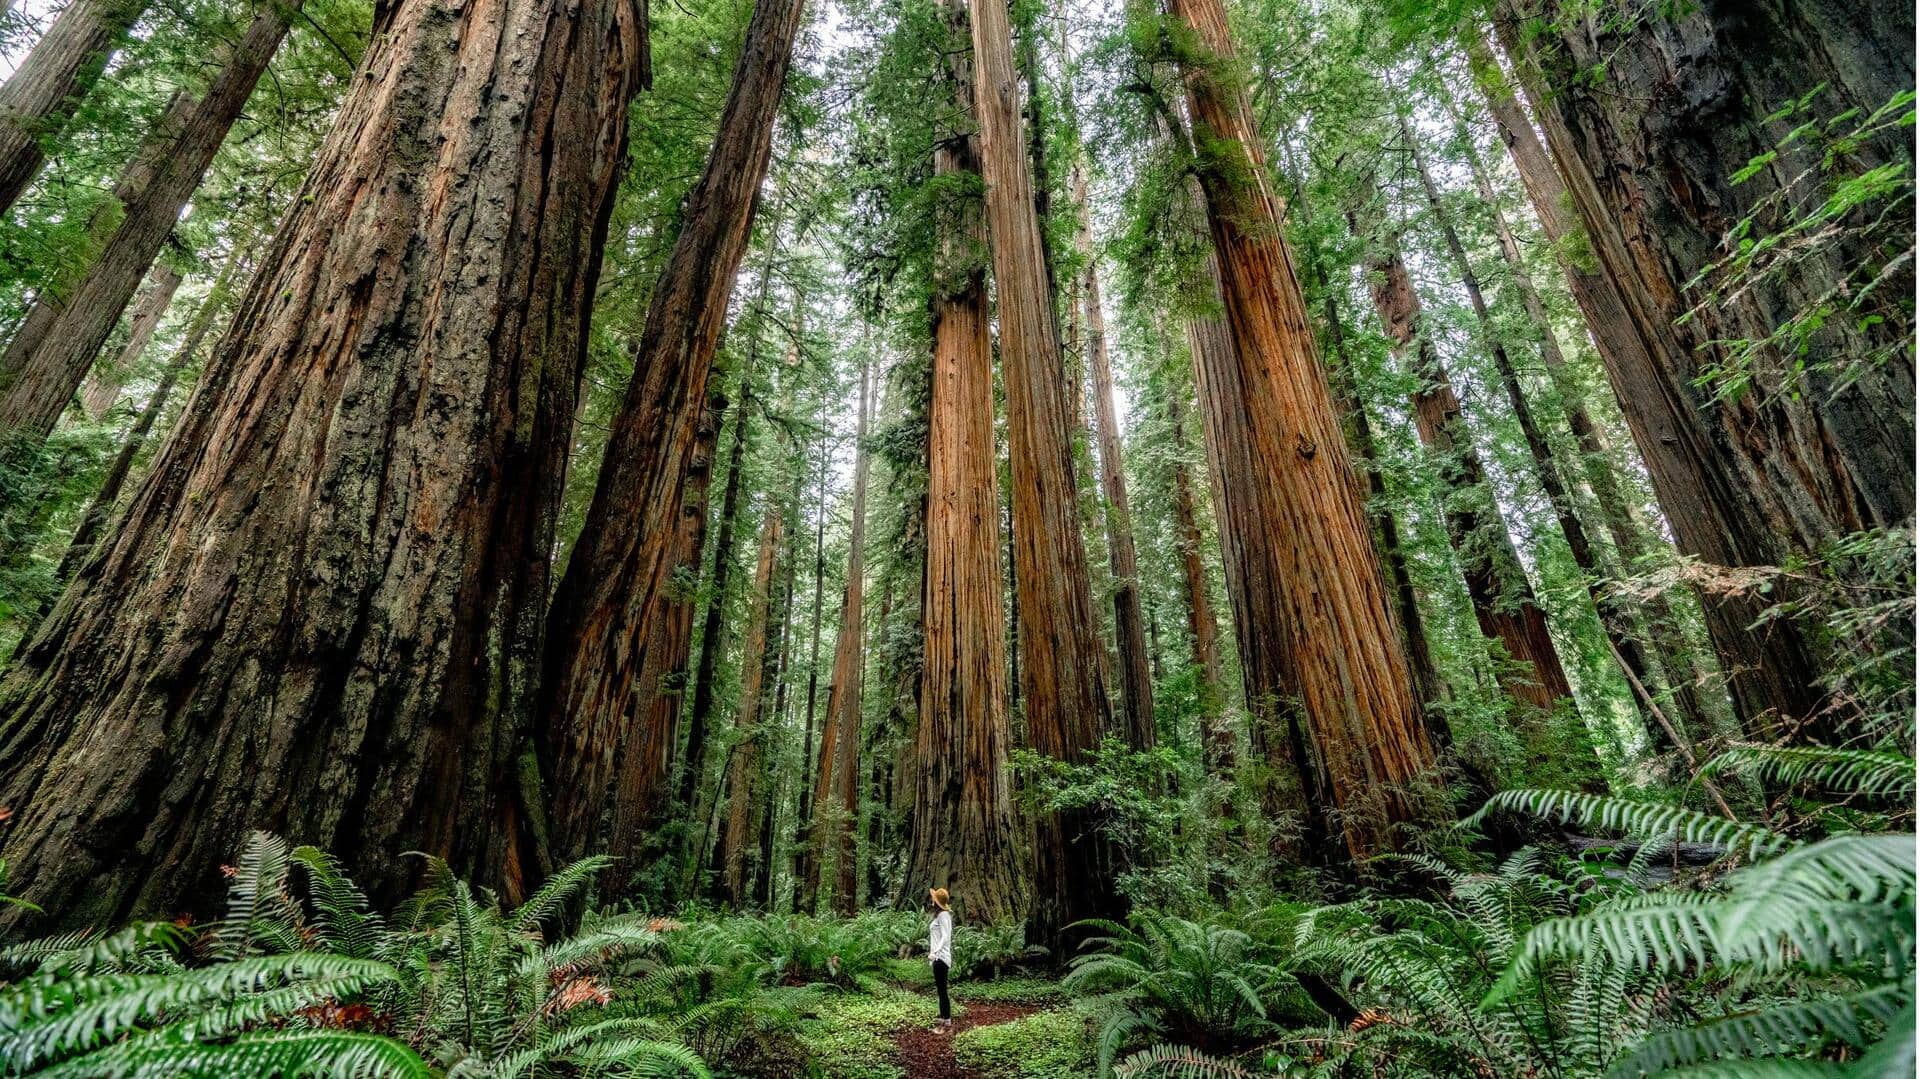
(1061, 657)
(603, 614)
(50, 355)
(40, 96)
(1336, 702)
(962, 833)
(319, 609)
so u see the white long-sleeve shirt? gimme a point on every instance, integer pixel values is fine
(940, 938)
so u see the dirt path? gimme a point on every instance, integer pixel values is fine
(928, 1054)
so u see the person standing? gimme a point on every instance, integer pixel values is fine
(940, 950)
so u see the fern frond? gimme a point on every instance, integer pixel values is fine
(86, 952)
(293, 1054)
(1844, 771)
(258, 907)
(345, 919)
(559, 890)
(1783, 1029)
(1164, 1061)
(1644, 819)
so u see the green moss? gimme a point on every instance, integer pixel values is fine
(1053, 1044)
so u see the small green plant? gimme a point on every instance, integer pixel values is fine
(1206, 983)
(1053, 1044)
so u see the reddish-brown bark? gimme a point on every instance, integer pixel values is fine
(604, 612)
(1326, 671)
(320, 610)
(962, 826)
(1061, 657)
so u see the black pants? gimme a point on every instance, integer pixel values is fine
(940, 986)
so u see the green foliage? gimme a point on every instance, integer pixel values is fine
(1052, 1044)
(320, 984)
(1205, 983)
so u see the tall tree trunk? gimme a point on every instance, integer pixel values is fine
(641, 798)
(47, 359)
(1203, 628)
(738, 833)
(40, 96)
(1623, 634)
(1504, 604)
(603, 613)
(962, 834)
(1327, 668)
(1706, 492)
(1136, 677)
(713, 626)
(103, 386)
(315, 613)
(94, 520)
(803, 818)
(836, 787)
(1067, 710)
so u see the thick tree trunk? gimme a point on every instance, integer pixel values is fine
(40, 96)
(604, 611)
(47, 359)
(1067, 709)
(319, 612)
(1136, 677)
(1526, 662)
(641, 798)
(1617, 622)
(962, 834)
(1327, 668)
(1706, 490)
(836, 787)
(103, 386)
(738, 833)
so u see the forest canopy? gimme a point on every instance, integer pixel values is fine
(555, 537)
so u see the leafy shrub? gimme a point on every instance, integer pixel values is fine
(991, 951)
(1204, 983)
(327, 986)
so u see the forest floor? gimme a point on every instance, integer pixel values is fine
(927, 1052)
(1017, 1027)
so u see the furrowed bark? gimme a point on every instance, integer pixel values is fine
(321, 611)
(641, 797)
(604, 610)
(1705, 491)
(46, 361)
(1061, 657)
(962, 834)
(1336, 702)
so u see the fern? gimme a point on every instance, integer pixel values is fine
(1845, 771)
(1782, 1029)
(1650, 819)
(1165, 1061)
(288, 1053)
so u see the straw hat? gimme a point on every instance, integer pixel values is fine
(939, 897)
